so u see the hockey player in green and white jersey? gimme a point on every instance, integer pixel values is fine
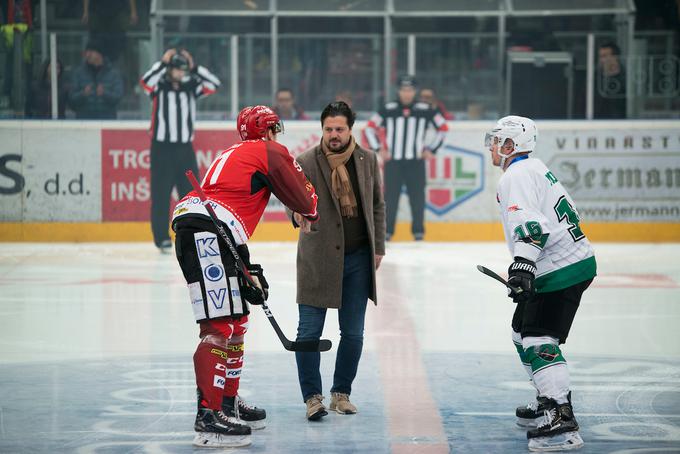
(553, 265)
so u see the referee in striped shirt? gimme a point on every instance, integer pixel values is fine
(404, 151)
(173, 84)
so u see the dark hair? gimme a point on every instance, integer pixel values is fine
(46, 75)
(339, 109)
(95, 45)
(616, 50)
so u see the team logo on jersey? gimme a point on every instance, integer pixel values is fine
(455, 175)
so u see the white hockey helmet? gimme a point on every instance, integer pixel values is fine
(521, 130)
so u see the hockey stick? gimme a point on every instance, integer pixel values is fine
(490, 273)
(321, 345)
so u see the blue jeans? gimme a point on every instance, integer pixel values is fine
(356, 286)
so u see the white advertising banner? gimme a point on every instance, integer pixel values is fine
(622, 174)
(50, 172)
(625, 171)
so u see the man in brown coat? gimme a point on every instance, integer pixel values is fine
(338, 256)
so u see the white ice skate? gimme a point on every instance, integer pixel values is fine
(215, 440)
(560, 442)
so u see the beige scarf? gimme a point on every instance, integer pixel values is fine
(340, 182)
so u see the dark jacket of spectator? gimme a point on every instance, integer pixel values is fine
(97, 89)
(40, 96)
(610, 96)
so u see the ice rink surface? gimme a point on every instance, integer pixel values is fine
(96, 345)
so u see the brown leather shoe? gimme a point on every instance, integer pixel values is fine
(341, 404)
(315, 409)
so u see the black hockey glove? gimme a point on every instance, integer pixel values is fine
(521, 274)
(259, 294)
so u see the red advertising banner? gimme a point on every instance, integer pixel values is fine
(126, 186)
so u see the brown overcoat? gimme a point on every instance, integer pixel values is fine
(320, 254)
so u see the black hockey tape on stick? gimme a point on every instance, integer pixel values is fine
(490, 273)
(321, 345)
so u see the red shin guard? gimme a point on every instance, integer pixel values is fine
(210, 365)
(235, 357)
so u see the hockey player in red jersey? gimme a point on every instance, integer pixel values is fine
(238, 185)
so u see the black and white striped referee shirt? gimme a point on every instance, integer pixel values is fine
(174, 110)
(405, 128)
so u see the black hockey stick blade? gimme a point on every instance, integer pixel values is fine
(490, 273)
(322, 345)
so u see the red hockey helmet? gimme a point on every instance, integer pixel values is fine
(254, 122)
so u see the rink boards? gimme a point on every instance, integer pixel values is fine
(624, 177)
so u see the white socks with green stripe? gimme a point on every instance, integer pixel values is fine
(517, 340)
(549, 370)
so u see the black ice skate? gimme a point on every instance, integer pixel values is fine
(253, 417)
(531, 415)
(214, 429)
(558, 432)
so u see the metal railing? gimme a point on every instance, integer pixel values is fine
(463, 68)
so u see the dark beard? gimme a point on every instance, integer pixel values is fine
(341, 150)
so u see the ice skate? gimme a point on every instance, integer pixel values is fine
(251, 416)
(531, 415)
(214, 429)
(559, 431)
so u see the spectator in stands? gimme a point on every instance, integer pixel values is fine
(344, 96)
(610, 89)
(40, 97)
(427, 95)
(16, 35)
(107, 21)
(475, 111)
(285, 106)
(97, 86)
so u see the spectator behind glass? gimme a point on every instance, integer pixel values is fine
(40, 100)
(97, 86)
(427, 95)
(285, 106)
(16, 29)
(344, 96)
(610, 89)
(107, 21)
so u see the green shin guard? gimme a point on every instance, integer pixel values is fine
(542, 356)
